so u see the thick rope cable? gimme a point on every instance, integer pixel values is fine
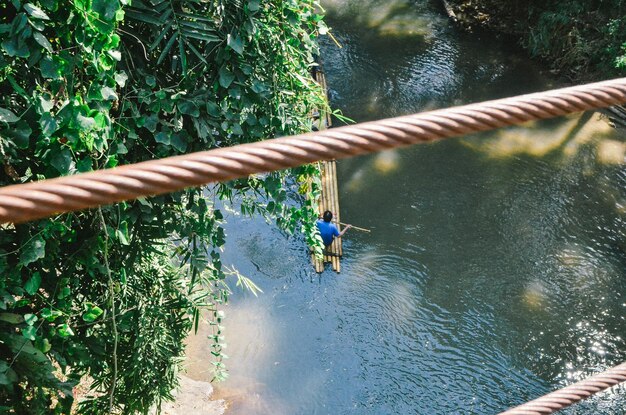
(571, 394)
(21, 203)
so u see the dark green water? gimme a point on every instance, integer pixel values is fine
(495, 270)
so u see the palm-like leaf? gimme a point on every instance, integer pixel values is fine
(174, 27)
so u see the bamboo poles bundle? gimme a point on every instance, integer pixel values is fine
(329, 198)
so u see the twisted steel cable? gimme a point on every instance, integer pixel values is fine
(569, 395)
(21, 203)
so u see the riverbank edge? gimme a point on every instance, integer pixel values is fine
(470, 17)
(560, 47)
(193, 397)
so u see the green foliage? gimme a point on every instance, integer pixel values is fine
(91, 84)
(582, 39)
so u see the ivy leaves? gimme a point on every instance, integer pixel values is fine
(18, 44)
(53, 67)
(92, 312)
(33, 250)
(33, 284)
(43, 42)
(74, 115)
(35, 12)
(235, 43)
(8, 116)
(51, 122)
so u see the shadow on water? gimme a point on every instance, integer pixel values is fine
(495, 270)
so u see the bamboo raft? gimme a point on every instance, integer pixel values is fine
(329, 195)
(329, 200)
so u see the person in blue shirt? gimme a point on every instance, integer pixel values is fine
(328, 230)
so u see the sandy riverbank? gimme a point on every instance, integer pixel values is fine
(193, 398)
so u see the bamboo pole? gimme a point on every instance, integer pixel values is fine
(327, 114)
(357, 228)
(322, 260)
(336, 241)
(314, 261)
(335, 186)
(331, 206)
(325, 199)
(328, 188)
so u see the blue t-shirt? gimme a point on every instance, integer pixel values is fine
(327, 231)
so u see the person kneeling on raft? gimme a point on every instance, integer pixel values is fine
(328, 230)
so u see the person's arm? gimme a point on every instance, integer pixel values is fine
(344, 230)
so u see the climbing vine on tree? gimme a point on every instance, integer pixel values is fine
(108, 295)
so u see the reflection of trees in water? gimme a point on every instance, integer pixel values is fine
(395, 18)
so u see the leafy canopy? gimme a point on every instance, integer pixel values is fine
(90, 84)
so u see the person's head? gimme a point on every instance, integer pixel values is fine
(328, 216)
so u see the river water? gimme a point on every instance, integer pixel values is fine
(495, 269)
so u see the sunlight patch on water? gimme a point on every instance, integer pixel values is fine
(608, 192)
(255, 336)
(387, 162)
(526, 139)
(571, 256)
(396, 18)
(368, 261)
(247, 398)
(372, 101)
(356, 181)
(534, 296)
(611, 152)
(592, 344)
(582, 272)
(406, 26)
(400, 295)
(540, 138)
